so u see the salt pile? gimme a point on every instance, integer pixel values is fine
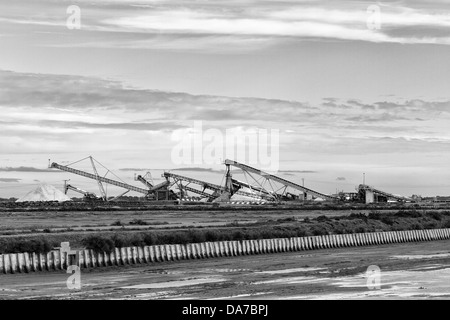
(45, 192)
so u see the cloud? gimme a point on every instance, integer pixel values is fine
(384, 117)
(62, 114)
(32, 22)
(24, 169)
(198, 43)
(378, 145)
(297, 171)
(9, 180)
(416, 105)
(287, 174)
(140, 126)
(424, 32)
(196, 169)
(73, 94)
(387, 111)
(135, 169)
(239, 26)
(33, 102)
(311, 21)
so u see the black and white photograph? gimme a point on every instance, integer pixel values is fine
(224, 154)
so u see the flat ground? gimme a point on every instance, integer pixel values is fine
(84, 219)
(15, 223)
(412, 270)
(33, 223)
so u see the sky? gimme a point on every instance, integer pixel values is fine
(350, 87)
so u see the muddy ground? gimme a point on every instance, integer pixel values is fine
(412, 270)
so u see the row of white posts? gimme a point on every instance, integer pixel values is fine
(59, 260)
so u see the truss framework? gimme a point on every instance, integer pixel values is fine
(264, 184)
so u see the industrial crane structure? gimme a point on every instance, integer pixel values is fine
(87, 195)
(210, 191)
(149, 191)
(263, 186)
(268, 185)
(145, 179)
(258, 184)
(372, 195)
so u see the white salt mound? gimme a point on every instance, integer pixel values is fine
(45, 192)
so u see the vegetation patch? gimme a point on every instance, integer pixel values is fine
(282, 228)
(16, 245)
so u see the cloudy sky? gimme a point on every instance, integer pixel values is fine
(351, 86)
